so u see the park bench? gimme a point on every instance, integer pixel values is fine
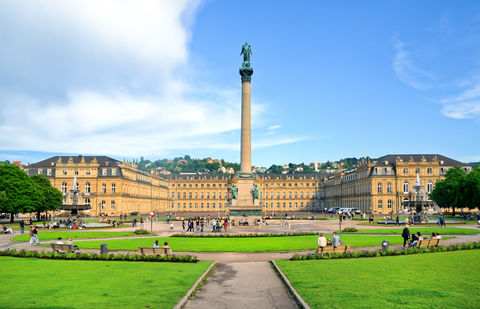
(331, 249)
(154, 251)
(62, 248)
(426, 243)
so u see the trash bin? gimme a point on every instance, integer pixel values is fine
(103, 249)
(385, 245)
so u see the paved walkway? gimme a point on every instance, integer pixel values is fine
(242, 285)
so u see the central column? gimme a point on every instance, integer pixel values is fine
(246, 139)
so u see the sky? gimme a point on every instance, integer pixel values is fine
(159, 79)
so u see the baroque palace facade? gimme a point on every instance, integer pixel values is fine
(108, 186)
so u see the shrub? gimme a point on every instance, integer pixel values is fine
(142, 232)
(349, 230)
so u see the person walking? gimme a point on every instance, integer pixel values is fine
(406, 234)
(183, 225)
(22, 226)
(397, 221)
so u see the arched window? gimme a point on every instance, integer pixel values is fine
(64, 187)
(380, 206)
(87, 188)
(405, 186)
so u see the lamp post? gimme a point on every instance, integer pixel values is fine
(152, 214)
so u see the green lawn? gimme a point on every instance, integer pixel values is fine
(434, 280)
(38, 283)
(247, 244)
(54, 235)
(423, 231)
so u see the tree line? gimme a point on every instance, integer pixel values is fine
(20, 193)
(458, 189)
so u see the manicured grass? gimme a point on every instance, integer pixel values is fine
(250, 244)
(95, 284)
(74, 235)
(436, 280)
(423, 231)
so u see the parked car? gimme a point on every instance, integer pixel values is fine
(333, 210)
(135, 213)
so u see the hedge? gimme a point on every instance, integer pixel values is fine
(97, 257)
(219, 235)
(378, 253)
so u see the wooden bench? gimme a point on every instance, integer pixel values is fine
(154, 251)
(62, 248)
(426, 243)
(331, 249)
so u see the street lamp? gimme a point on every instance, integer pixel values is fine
(152, 214)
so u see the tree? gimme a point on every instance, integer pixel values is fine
(448, 192)
(470, 188)
(21, 193)
(50, 197)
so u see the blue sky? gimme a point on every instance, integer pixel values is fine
(160, 79)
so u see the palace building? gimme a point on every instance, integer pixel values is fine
(111, 187)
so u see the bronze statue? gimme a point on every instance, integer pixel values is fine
(234, 192)
(255, 192)
(246, 52)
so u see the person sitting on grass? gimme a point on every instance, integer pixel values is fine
(438, 236)
(70, 242)
(59, 241)
(7, 230)
(156, 245)
(168, 250)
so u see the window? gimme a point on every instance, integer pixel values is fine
(219, 205)
(112, 205)
(113, 188)
(389, 187)
(87, 188)
(219, 195)
(289, 194)
(208, 195)
(104, 188)
(178, 195)
(201, 195)
(104, 172)
(380, 204)
(417, 171)
(196, 205)
(190, 195)
(389, 204)
(429, 170)
(87, 172)
(284, 204)
(76, 172)
(49, 172)
(173, 194)
(278, 205)
(196, 195)
(87, 201)
(189, 205)
(405, 187)
(379, 187)
(208, 205)
(429, 187)
(290, 205)
(184, 205)
(64, 172)
(64, 187)
(213, 195)
(114, 171)
(405, 171)
(102, 205)
(184, 195)
(201, 205)
(213, 205)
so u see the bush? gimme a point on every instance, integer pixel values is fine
(98, 257)
(378, 253)
(142, 232)
(349, 230)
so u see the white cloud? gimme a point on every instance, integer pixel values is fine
(465, 105)
(271, 128)
(406, 71)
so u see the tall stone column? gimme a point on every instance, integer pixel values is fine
(246, 139)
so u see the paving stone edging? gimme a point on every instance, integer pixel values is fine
(203, 277)
(302, 303)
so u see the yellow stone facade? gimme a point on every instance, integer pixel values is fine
(112, 187)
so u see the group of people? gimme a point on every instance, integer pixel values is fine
(7, 230)
(68, 242)
(165, 246)
(412, 239)
(199, 224)
(324, 241)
